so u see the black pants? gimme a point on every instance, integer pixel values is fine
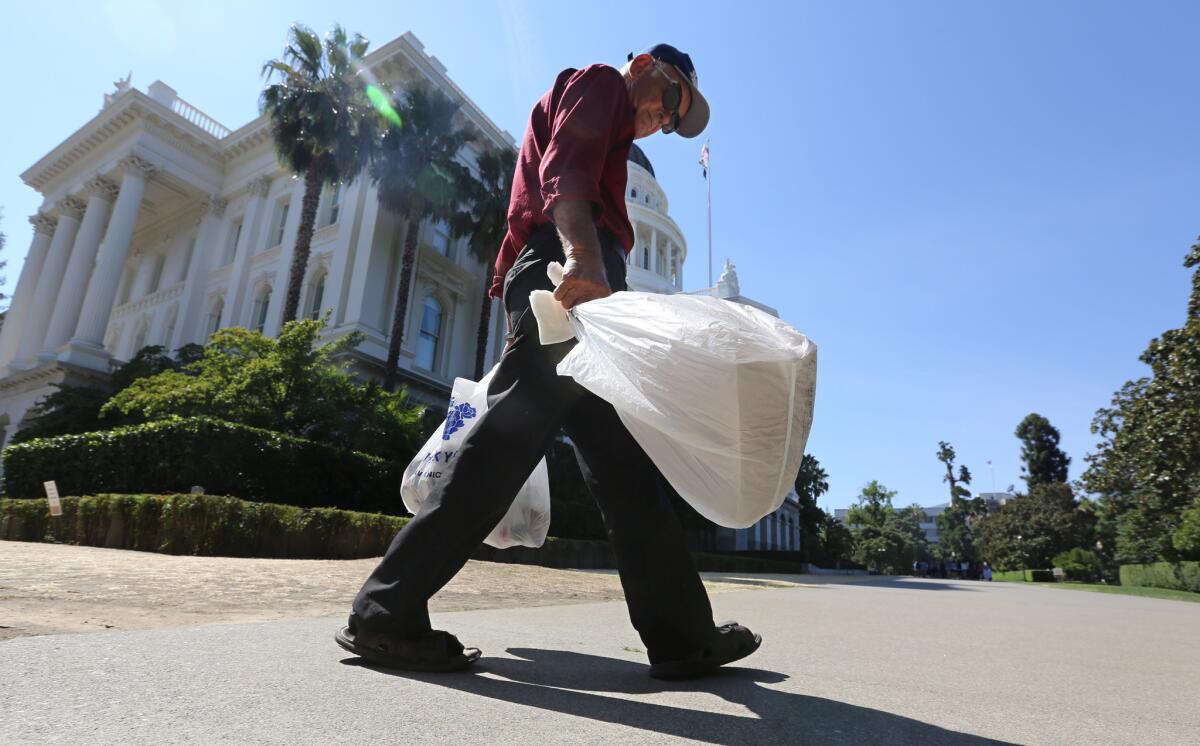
(528, 404)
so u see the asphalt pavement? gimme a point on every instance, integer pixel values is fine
(886, 661)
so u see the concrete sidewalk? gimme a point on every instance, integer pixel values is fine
(890, 661)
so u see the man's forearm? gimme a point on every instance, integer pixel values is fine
(584, 276)
(577, 229)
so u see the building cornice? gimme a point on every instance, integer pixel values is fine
(125, 111)
(413, 50)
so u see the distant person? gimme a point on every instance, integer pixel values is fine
(987, 572)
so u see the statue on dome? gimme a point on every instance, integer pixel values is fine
(729, 278)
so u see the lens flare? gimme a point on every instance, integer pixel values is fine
(381, 103)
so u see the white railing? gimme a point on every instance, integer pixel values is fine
(200, 119)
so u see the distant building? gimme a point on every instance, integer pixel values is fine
(928, 523)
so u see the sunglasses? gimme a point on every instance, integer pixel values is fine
(672, 97)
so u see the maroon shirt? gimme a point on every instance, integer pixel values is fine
(575, 148)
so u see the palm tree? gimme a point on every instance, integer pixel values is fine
(485, 223)
(324, 126)
(418, 177)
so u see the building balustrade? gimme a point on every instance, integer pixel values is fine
(162, 296)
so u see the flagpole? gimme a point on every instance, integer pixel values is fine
(708, 179)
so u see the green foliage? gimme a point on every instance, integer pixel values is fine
(419, 177)
(1146, 469)
(203, 525)
(1078, 564)
(225, 458)
(884, 540)
(958, 530)
(1030, 530)
(1187, 537)
(1181, 576)
(957, 484)
(290, 385)
(320, 116)
(1043, 461)
(76, 409)
(324, 125)
(484, 223)
(811, 482)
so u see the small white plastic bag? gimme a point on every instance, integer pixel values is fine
(527, 520)
(719, 395)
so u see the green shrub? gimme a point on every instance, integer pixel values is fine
(1181, 576)
(201, 524)
(1012, 576)
(1041, 576)
(1079, 564)
(225, 458)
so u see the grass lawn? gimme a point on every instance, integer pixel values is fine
(1123, 590)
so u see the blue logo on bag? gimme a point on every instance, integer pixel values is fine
(456, 418)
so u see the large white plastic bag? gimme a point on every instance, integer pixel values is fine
(527, 520)
(719, 395)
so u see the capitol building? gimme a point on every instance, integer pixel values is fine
(160, 225)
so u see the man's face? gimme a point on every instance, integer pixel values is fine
(648, 79)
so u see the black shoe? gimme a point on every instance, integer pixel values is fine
(731, 642)
(433, 651)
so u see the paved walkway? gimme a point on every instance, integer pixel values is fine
(892, 661)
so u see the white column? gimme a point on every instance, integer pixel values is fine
(362, 259)
(49, 281)
(758, 527)
(31, 270)
(653, 248)
(101, 193)
(236, 295)
(88, 342)
(146, 261)
(204, 254)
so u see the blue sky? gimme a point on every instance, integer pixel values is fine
(976, 211)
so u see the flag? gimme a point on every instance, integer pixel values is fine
(704, 159)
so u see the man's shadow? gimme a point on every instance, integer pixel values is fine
(567, 682)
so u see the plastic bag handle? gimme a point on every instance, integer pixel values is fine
(555, 272)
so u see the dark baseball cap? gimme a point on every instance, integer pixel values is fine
(697, 117)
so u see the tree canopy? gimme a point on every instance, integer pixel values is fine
(1030, 530)
(290, 384)
(1043, 462)
(1146, 467)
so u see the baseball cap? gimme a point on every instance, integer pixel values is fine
(697, 117)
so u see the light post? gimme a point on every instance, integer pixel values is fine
(1100, 558)
(1021, 556)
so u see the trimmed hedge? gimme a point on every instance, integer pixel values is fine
(226, 526)
(201, 524)
(1182, 576)
(223, 457)
(1020, 576)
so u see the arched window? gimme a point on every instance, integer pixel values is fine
(645, 257)
(258, 314)
(213, 322)
(431, 326)
(316, 296)
(633, 193)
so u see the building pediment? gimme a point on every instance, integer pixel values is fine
(114, 122)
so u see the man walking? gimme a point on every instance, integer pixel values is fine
(568, 205)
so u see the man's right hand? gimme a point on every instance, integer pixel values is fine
(584, 279)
